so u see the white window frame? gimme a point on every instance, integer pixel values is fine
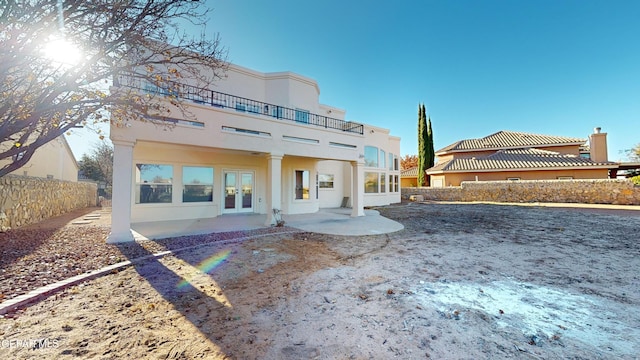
(321, 180)
(377, 186)
(369, 162)
(139, 184)
(186, 185)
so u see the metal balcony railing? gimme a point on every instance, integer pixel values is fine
(222, 100)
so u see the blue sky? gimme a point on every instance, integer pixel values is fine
(550, 67)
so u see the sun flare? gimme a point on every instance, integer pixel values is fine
(60, 50)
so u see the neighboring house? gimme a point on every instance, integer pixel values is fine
(256, 142)
(409, 177)
(508, 155)
(53, 160)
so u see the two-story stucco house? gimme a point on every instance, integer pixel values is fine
(255, 142)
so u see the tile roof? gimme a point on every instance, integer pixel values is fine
(410, 172)
(510, 139)
(516, 159)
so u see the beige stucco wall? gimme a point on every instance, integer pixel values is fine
(291, 205)
(332, 197)
(598, 147)
(25, 200)
(409, 181)
(280, 88)
(53, 159)
(455, 179)
(276, 135)
(599, 191)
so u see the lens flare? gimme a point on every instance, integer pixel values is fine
(62, 52)
(206, 266)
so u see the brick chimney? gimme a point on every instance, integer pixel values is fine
(598, 146)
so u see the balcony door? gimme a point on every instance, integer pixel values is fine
(238, 191)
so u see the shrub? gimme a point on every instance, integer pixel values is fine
(636, 180)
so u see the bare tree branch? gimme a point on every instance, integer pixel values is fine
(41, 99)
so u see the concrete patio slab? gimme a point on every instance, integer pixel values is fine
(335, 221)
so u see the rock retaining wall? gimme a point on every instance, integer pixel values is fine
(602, 191)
(25, 200)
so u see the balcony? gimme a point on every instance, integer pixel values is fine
(228, 101)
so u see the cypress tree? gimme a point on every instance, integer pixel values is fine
(431, 153)
(422, 144)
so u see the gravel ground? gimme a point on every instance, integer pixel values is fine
(461, 281)
(57, 249)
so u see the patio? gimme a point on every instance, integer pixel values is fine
(334, 221)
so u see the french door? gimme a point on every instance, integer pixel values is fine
(238, 191)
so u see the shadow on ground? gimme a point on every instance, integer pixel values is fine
(23, 241)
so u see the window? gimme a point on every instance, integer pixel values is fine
(300, 139)
(383, 157)
(390, 183)
(246, 131)
(177, 121)
(370, 156)
(395, 183)
(302, 184)
(371, 182)
(395, 163)
(326, 181)
(383, 187)
(390, 161)
(302, 116)
(197, 184)
(348, 146)
(513, 179)
(565, 177)
(154, 183)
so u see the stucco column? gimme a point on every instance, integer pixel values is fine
(121, 193)
(274, 186)
(357, 188)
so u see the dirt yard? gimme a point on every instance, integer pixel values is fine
(460, 282)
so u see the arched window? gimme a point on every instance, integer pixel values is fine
(370, 156)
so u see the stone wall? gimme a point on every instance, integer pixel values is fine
(601, 191)
(25, 200)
